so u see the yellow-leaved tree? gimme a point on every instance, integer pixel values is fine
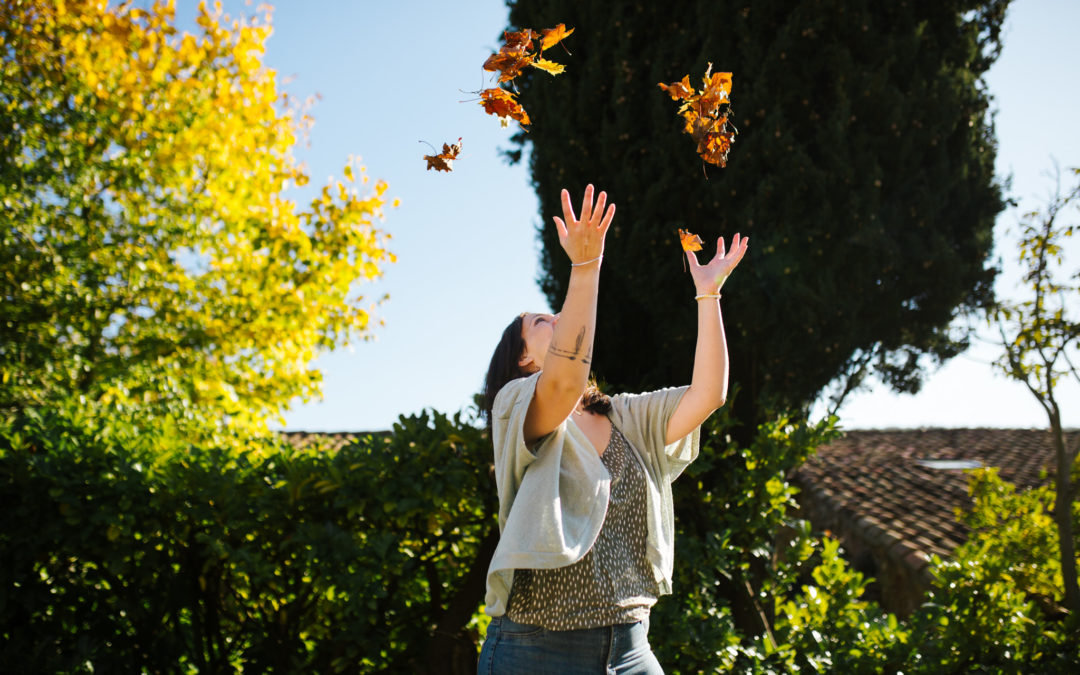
(150, 252)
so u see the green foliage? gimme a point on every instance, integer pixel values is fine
(129, 550)
(1015, 532)
(828, 626)
(149, 250)
(995, 607)
(1041, 333)
(863, 173)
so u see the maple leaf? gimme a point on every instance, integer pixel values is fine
(689, 240)
(444, 161)
(553, 36)
(717, 82)
(548, 66)
(678, 90)
(508, 62)
(501, 103)
(521, 38)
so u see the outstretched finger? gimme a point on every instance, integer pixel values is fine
(692, 257)
(606, 222)
(720, 250)
(598, 209)
(586, 204)
(738, 248)
(567, 207)
(560, 227)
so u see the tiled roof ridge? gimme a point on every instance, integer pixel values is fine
(336, 439)
(964, 428)
(305, 432)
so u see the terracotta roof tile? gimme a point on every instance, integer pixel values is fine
(336, 439)
(899, 489)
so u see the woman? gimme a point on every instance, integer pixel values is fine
(584, 480)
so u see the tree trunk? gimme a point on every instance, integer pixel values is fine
(1063, 515)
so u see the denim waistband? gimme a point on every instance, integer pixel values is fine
(518, 647)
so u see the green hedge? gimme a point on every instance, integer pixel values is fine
(125, 551)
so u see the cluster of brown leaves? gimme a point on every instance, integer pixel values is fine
(521, 49)
(444, 161)
(706, 113)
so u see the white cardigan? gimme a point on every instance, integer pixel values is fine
(552, 500)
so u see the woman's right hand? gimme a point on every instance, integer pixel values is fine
(583, 238)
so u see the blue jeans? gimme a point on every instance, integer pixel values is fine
(521, 649)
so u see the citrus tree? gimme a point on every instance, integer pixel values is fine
(1040, 336)
(150, 250)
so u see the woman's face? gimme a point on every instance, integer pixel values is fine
(536, 330)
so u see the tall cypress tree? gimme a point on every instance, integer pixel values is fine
(863, 173)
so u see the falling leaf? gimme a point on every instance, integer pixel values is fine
(679, 90)
(508, 63)
(521, 38)
(553, 36)
(706, 114)
(444, 161)
(501, 103)
(689, 241)
(548, 66)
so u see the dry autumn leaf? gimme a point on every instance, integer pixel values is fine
(501, 103)
(521, 38)
(679, 90)
(444, 161)
(553, 36)
(548, 66)
(689, 241)
(508, 64)
(706, 113)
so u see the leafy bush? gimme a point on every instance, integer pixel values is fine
(129, 550)
(824, 624)
(995, 607)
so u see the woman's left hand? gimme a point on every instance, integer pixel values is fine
(708, 278)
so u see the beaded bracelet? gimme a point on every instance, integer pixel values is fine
(707, 295)
(599, 257)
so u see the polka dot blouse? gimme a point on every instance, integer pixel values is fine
(614, 582)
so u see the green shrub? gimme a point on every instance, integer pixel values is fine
(995, 607)
(827, 626)
(128, 550)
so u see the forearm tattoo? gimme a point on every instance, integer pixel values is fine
(573, 354)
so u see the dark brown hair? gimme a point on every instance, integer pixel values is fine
(504, 368)
(504, 364)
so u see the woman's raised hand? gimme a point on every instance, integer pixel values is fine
(583, 238)
(708, 278)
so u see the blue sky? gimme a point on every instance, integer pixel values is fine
(392, 74)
